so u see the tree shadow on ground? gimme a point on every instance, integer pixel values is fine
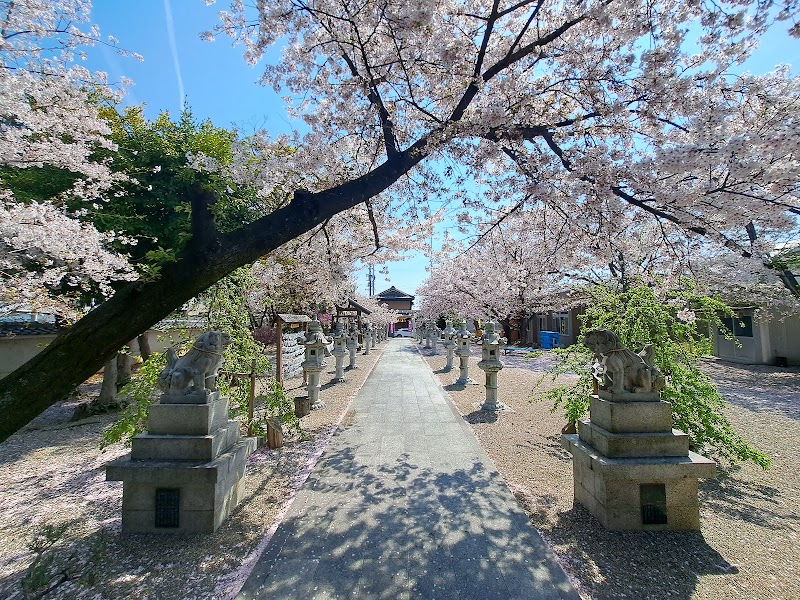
(758, 388)
(550, 445)
(653, 563)
(368, 527)
(759, 504)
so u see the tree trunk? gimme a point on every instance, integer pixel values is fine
(144, 346)
(81, 350)
(108, 391)
(124, 367)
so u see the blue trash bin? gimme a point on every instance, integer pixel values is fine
(546, 339)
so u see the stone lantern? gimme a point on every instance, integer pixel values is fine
(434, 337)
(449, 336)
(490, 364)
(427, 335)
(315, 361)
(339, 349)
(352, 344)
(463, 338)
(367, 333)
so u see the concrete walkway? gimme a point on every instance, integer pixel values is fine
(405, 504)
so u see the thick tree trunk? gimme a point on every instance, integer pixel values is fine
(108, 391)
(81, 350)
(144, 346)
(124, 368)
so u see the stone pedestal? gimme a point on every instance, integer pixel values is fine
(186, 474)
(631, 469)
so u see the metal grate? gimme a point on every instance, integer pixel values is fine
(168, 503)
(653, 498)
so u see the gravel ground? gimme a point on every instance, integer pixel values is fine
(748, 546)
(52, 473)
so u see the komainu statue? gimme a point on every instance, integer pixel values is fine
(618, 369)
(196, 371)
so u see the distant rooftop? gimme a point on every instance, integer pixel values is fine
(394, 294)
(20, 328)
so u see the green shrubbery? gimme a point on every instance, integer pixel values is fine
(676, 325)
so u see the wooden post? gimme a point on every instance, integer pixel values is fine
(274, 433)
(251, 399)
(279, 357)
(302, 407)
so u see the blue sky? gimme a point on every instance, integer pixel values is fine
(218, 84)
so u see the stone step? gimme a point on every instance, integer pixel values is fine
(168, 473)
(187, 419)
(148, 446)
(631, 417)
(628, 445)
(645, 468)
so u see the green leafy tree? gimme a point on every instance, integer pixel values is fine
(140, 393)
(228, 311)
(676, 325)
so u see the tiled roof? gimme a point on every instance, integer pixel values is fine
(19, 328)
(394, 294)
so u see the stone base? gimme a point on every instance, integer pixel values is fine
(630, 396)
(467, 381)
(633, 445)
(614, 490)
(201, 397)
(207, 492)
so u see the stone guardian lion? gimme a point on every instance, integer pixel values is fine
(618, 369)
(196, 371)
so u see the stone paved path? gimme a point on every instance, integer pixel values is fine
(405, 504)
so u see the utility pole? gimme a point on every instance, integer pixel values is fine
(371, 280)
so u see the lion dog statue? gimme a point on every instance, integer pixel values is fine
(196, 371)
(618, 369)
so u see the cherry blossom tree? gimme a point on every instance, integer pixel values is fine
(590, 107)
(529, 263)
(49, 118)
